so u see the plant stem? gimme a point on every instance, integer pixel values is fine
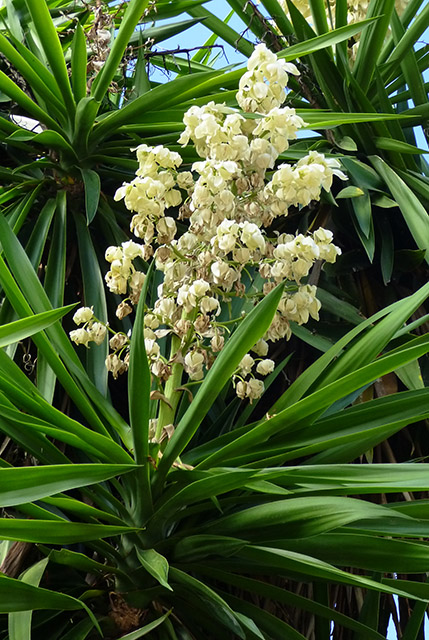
(168, 411)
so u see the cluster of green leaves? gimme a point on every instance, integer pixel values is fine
(245, 505)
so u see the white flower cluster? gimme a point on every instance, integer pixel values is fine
(151, 191)
(92, 330)
(228, 203)
(262, 87)
(122, 271)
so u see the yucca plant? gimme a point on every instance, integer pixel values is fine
(247, 525)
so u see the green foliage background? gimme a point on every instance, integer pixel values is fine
(282, 520)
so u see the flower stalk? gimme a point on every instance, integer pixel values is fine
(167, 408)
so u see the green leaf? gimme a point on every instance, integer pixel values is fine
(275, 627)
(78, 64)
(94, 295)
(85, 511)
(164, 31)
(55, 532)
(25, 64)
(20, 623)
(139, 381)
(305, 565)
(347, 143)
(91, 181)
(387, 242)
(143, 631)
(317, 370)
(34, 292)
(416, 622)
(214, 485)
(34, 443)
(45, 29)
(375, 340)
(37, 243)
(321, 119)
(15, 595)
(13, 21)
(368, 552)
(293, 417)
(348, 478)
(411, 375)
(311, 45)
(362, 220)
(156, 565)
(280, 594)
(43, 415)
(390, 144)
(86, 112)
(54, 284)
(16, 94)
(362, 174)
(21, 329)
(318, 12)
(139, 386)
(410, 37)
(20, 485)
(363, 212)
(415, 215)
(58, 342)
(350, 192)
(222, 30)
(81, 562)
(56, 141)
(373, 420)
(371, 42)
(215, 607)
(195, 548)
(298, 517)
(141, 83)
(175, 92)
(338, 307)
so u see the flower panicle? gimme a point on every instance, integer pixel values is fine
(228, 204)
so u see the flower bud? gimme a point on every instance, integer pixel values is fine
(80, 336)
(264, 367)
(123, 310)
(118, 341)
(82, 315)
(97, 332)
(217, 343)
(246, 364)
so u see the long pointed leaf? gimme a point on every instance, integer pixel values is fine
(21, 329)
(20, 485)
(52, 48)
